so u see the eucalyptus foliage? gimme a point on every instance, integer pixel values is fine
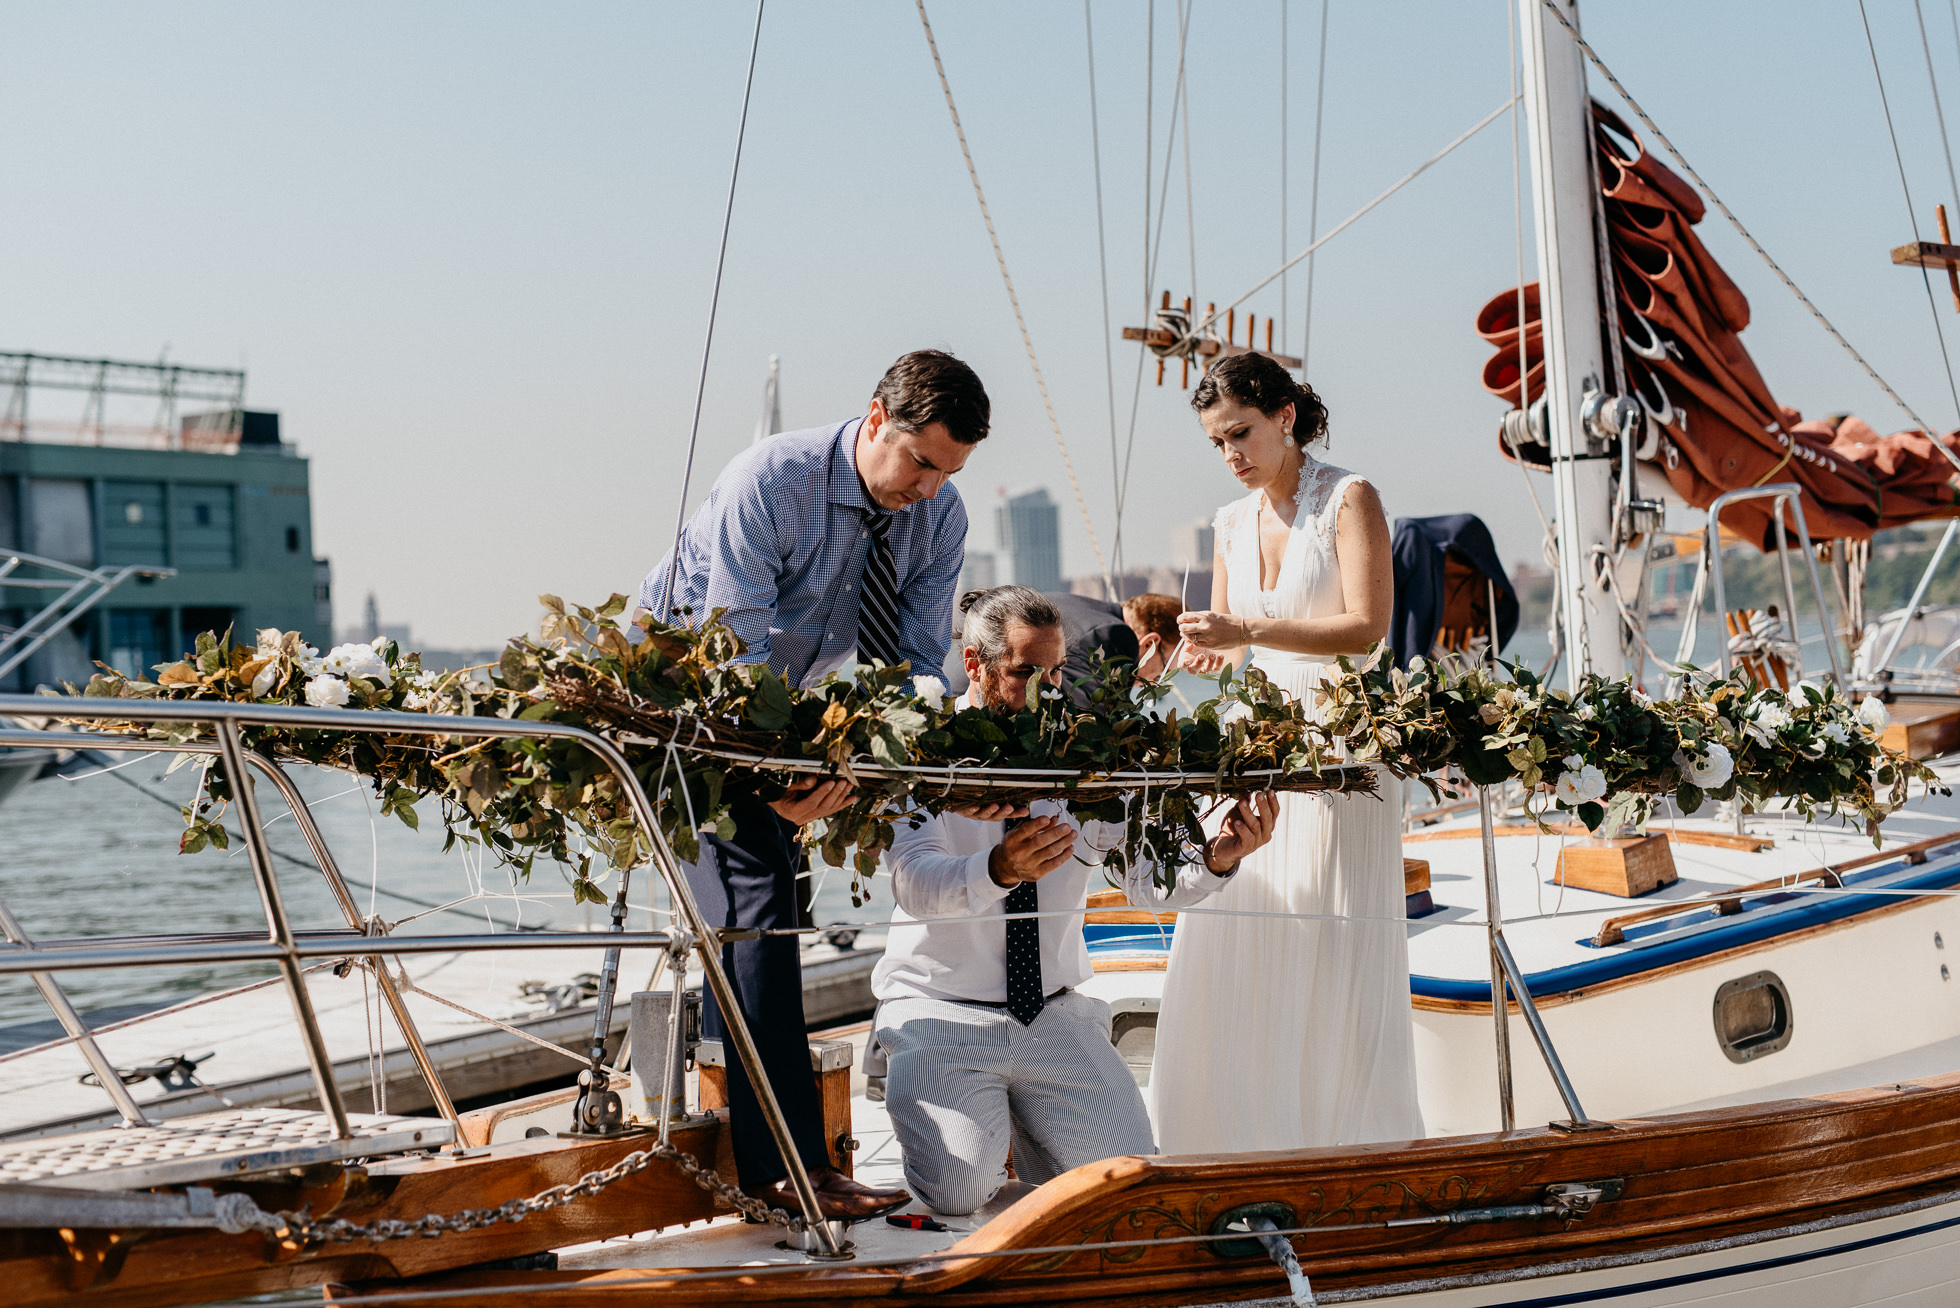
(703, 732)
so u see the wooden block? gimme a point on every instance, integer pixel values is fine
(1926, 729)
(1628, 867)
(834, 1088)
(831, 1061)
(1415, 875)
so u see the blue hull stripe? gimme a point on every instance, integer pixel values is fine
(1747, 928)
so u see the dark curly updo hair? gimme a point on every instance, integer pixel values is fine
(1256, 381)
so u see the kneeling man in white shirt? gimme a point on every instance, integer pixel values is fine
(986, 1040)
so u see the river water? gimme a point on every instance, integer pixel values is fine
(95, 856)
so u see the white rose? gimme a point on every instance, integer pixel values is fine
(930, 689)
(1418, 665)
(1772, 716)
(1837, 733)
(262, 682)
(357, 661)
(269, 640)
(1711, 771)
(1585, 712)
(1874, 714)
(326, 692)
(1580, 783)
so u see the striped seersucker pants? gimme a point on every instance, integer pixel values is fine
(965, 1079)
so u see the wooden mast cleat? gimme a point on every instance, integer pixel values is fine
(1930, 254)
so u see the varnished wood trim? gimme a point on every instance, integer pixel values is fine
(1717, 839)
(1128, 964)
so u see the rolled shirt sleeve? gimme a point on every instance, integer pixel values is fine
(930, 880)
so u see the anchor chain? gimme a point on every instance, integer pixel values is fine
(301, 1227)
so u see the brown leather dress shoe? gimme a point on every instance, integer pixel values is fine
(841, 1198)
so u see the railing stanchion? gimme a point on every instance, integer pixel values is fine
(71, 1022)
(1500, 1010)
(280, 927)
(390, 992)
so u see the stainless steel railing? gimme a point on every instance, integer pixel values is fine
(286, 948)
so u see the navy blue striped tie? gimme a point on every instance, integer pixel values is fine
(878, 595)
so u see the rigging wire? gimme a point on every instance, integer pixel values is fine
(1041, 384)
(1620, 89)
(1313, 202)
(1190, 208)
(1285, 233)
(1102, 266)
(1153, 248)
(1517, 227)
(1912, 216)
(1143, 349)
(1939, 111)
(714, 303)
(1349, 221)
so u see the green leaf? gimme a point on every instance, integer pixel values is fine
(770, 707)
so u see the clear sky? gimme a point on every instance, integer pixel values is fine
(466, 249)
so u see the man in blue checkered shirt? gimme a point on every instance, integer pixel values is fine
(822, 547)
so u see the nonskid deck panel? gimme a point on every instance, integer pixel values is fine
(211, 1146)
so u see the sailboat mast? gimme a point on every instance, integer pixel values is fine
(1583, 463)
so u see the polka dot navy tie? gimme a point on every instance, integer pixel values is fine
(1025, 993)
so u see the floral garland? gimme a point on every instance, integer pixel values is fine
(700, 730)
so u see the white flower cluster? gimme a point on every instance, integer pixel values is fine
(1580, 783)
(327, 678)
(421, 692)
(1711, 771)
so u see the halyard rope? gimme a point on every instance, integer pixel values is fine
(1020, 321)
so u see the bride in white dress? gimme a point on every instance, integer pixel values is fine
(1289, 1032)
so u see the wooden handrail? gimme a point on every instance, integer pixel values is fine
(1613, 930)
(1107, 906)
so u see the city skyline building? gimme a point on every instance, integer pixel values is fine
(1192, 545)
(979, 571)
(1028, 528)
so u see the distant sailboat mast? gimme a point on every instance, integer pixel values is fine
(771, 420)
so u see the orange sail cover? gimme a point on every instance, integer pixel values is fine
(1713, 424)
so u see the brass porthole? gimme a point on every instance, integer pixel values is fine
(1753, 1016)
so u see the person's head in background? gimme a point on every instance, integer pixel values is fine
(1154, 619)
(1012, 640)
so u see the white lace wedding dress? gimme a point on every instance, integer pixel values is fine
(1284, 1033)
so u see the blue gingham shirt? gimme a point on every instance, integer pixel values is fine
(781, 544)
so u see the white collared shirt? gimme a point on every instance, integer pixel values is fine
(939, 870)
